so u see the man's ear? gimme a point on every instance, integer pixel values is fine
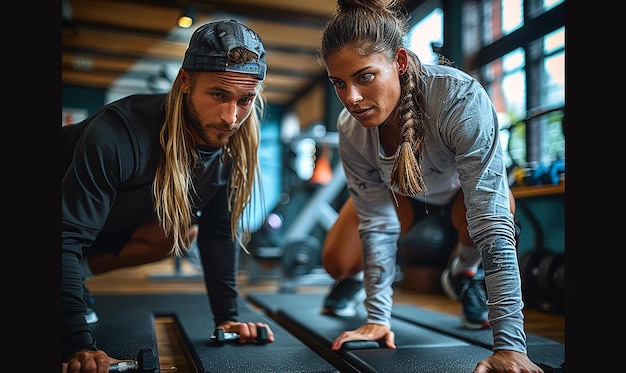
(184, 80)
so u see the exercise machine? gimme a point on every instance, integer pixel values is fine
(295, 243)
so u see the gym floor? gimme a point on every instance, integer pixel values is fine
(171, 277)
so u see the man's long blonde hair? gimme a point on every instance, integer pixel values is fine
(173, 185)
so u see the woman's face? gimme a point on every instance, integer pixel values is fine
(368, 86)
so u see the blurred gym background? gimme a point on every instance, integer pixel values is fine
(515, 48)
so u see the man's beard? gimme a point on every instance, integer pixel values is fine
(193, 122)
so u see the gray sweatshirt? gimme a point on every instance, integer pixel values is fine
(462, 151)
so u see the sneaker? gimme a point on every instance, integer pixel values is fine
(470, 290)
(343, 298)
(90, 314)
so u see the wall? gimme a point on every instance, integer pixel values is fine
(311, 107)
(79, 97)
(542, 218)
(271, 165)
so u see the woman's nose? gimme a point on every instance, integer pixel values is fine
(354, 96)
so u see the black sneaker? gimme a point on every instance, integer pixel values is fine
(470, 290)
(90, 314)
(343, 298)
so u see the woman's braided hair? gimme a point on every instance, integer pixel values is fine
(379, 26)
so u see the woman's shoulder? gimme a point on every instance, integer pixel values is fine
(344, 120)
(348, 126)
(444, 71)
(443, 85)
(351, 131)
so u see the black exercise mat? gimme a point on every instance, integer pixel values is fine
(549, 354)
(123, 328)
(418, 349)
(448, 359)
(305, 309)
(285, 354)
(127, 325)
(274, 302)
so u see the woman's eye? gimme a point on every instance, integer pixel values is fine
(366, 77)
(337, 83)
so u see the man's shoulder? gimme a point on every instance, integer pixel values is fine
(141, 109)
(151, 102)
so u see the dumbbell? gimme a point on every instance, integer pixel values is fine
(146, 362)
(551, 281)
(220, 337)
(551, 275)
(529, 271)
(363, 345)
(301, 256)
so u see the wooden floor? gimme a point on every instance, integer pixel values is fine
(173, 277)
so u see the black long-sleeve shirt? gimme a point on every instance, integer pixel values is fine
(110, 161)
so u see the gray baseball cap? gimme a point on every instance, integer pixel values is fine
(210, 43)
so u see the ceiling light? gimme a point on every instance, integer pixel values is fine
(188, 18)
(82, 63)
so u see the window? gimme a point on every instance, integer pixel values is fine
(505, 82)
(426, 33)
(527, 84)
(516, 49)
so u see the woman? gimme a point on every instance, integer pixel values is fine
(427, 137)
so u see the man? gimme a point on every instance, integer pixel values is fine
(148, 174)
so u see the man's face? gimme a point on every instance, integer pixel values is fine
(217, 104)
